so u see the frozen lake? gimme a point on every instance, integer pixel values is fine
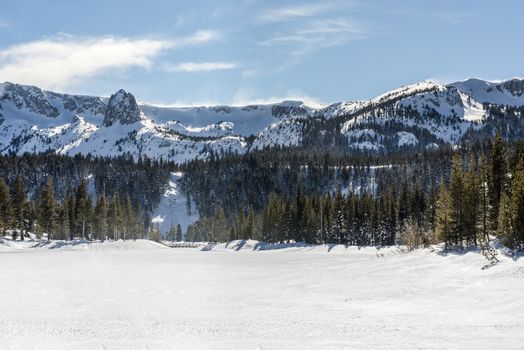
(140, 295)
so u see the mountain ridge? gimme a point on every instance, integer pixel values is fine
(421, 115)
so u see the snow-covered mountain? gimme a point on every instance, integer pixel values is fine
(427, 114)
(421, 115)
(33, 120)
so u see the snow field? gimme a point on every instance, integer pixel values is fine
(142, 295)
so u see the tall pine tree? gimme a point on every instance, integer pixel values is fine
(48, 209)
(19, 205)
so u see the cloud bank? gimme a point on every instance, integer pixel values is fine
(59, 62)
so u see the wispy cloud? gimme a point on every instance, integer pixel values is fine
(318, 34)
(3, 24)
(199, 66)
(294, 12)
(61, 61)
(198, 38)
(330, 26)
(244, 96)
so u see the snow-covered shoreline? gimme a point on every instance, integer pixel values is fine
(7, 244)
(143, 295)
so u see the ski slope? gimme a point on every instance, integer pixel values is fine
(142, 295)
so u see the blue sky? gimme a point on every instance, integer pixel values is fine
(237, 52)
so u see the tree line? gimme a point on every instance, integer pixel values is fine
(76, 216)
(143, 179)
(483, 198)
(461, 197)
(481, 195)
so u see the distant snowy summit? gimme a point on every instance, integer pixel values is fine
(420, 116)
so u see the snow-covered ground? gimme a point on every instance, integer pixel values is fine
(142, 295)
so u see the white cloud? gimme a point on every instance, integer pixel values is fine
(59, 62)
(199, 66)
(293, 12)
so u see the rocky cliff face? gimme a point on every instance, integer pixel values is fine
(122, 107)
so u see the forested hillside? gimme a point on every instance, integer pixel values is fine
(460, 196)
(80, 196)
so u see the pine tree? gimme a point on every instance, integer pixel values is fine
(240, 223)
(483, 224)
(298, 212)
(456, 193)
(287, 222)
(517, 204)
(178, 233)
(19, 204)
(251, 224)
(90, 216)
(429, 211)
(63, 232)
(404, 207)
(101, 224)
(147, 223)
(30, 221)
(190, 234)
(391, 221)
(72, 210)
(308, 224)
(47, 209)
(219, 226)
(267, 223)
(115, 217)
(443, 215)
(171, 235)
(338, 230)
(499, 169)
(129, 218)
(504, 224)
(6, 208)
(471, 202)
(139, 223)
(418, 202)
(351, 218)
(81, 216)
(327, 213)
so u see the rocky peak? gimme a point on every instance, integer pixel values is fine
(30, 98)
(122, 107)
(514, 86)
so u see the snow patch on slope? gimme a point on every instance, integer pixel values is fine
(406, 139)
(172, 209)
